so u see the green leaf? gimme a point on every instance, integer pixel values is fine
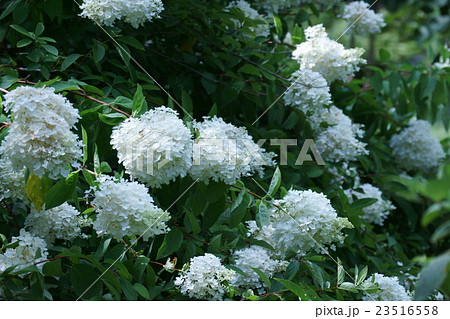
(278, 25)
(139, 103)
(21, 30)
(112, 119)
(139, 267)
(292, 270)
(98, 52)
(150, 279)
(250, 69)
(61, 191)
(368, 287)
(97, 168)
(362, 275)
(82, 276)
(348, 286)
(264, 277)
(85, 145)
(186, 102)
(50, 49)
(263, 216)
(93, 89)
(363, 202)
(131, 42)
(193, 222)
(53, 268)
(68, 61)
(128, 290)
(340, 272)
(39, 29)
(432, 276)
(171, 243)
(105, 168)
(23, 43)
(124, 53)
(384, 55)
(316, 273)
(10, 8)
(239, 208)
(142, 290)
(296, 289)
(275, 182)
(215, 191)
(36, 190)
(441, 232)
(102, 247)
(213, 110)
(213, 212)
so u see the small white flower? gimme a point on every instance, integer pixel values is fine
(362, 19)
(135, 12)
(224, 152)
(206, 278)
(414, 148)
(120, 214)
(327, 57)
(377, 212)
(155, 148)
(61, 222)
(169, 266)
(389, 289)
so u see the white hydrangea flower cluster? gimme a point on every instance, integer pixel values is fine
(155, 148)
(206, 278)
(226, 152)
(327, 57)
(309, 91)
(339, 142)
(135, 12)
(121, 215)
(24, 255)
(306, 221)
(377, 212)
(389, 289)
(362, 19)
(12, 183)
(414, 148)
(262, 30)
(40, 137)
(255, 257)
(61, 222)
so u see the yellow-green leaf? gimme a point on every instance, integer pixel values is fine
(37, 188)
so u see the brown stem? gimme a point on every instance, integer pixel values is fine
(10, 212)
(83, 94)
(4, 91)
